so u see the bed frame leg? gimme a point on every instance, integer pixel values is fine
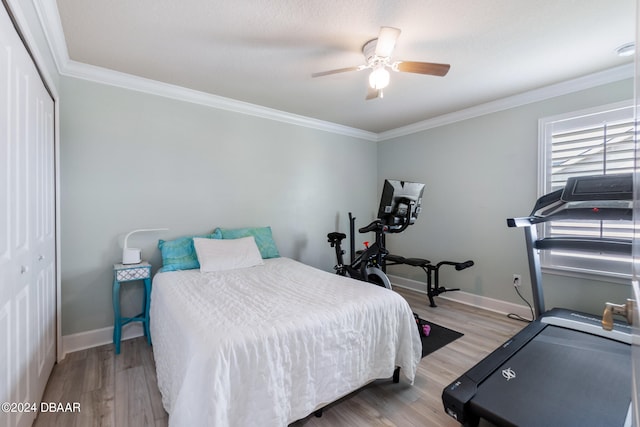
(318, 413)
(396, 375)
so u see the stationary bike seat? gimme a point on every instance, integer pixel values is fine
(335, 236)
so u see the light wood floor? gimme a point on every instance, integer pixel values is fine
(122, 390)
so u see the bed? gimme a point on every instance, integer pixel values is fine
(271, 343)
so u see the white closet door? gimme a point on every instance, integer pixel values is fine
(27, 231)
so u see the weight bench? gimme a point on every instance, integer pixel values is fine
(432, 271)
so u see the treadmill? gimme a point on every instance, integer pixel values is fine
(563, 369)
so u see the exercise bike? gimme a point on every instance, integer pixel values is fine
(367, 265)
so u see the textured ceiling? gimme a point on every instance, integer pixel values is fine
(264, 51)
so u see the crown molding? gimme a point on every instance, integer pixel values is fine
(127, 81)
(51, 24)
(47, 11)
(50, 21)
(570, 86)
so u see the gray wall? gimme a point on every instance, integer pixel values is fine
(132, 160)
(478, 172)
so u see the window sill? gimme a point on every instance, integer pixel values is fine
(619, 279)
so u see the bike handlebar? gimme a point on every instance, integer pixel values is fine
(406, 220)
(375, 225)
(463, 265)
(457, 265)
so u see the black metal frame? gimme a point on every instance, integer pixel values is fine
(369, 264)
(432, 271)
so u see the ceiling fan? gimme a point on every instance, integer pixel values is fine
(377, 53)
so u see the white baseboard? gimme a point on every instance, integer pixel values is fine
(486, 303)
(98, 337)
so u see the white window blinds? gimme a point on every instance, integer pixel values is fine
(591, 142)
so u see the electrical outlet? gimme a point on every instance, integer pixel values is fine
(517, 280)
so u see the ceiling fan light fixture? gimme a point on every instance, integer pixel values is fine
(379, 78)
(377, 54)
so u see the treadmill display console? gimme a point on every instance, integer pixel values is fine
(601, 187)
(601, 197)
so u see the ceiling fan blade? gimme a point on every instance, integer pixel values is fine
(336, 71)
(373, 93)
(387, 41)
(422, 68)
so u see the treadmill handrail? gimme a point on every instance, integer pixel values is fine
(619, 246)
(576, 214)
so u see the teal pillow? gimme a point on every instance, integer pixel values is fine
(180, 254)
(263, 236)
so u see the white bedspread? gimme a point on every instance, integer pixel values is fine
(270, 344)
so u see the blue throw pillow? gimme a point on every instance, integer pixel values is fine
(263, 236)
(180, 254)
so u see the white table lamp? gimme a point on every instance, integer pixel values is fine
(132, 255)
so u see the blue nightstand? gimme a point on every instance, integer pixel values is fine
(123, 273)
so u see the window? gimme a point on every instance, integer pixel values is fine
(586, 143)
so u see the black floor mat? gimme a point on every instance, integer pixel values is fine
(439, 336)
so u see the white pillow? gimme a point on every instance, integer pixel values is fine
(227, 254)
